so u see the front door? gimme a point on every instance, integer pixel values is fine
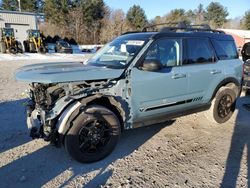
(161, 91)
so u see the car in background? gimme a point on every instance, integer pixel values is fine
(246, 58)
(63, 47)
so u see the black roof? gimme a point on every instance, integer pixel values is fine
(218, 36)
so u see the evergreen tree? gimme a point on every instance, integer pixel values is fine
(179, 15)
(40, 5)
(136, 17)
(216, 14)
(53, 10)
(28, 5)
(9, 5)
(247, 20)
(92, 10)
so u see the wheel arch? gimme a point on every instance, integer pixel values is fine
(112, 104)
(227, 81)
(71, 112)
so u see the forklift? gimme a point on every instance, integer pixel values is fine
(8, 42)
(34, 43)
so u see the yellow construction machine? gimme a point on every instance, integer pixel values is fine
(34, 43)
(8, 42)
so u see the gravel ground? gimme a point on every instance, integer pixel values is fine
(187, 152)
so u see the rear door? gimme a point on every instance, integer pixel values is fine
(203, 70)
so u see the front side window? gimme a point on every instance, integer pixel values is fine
(166, 51)
(199, 51)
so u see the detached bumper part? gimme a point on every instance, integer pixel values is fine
(33, 123)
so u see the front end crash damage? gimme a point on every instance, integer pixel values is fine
(53, 106)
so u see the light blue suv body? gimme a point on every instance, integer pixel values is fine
(142, 78)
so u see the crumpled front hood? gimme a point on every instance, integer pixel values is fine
(64, 72)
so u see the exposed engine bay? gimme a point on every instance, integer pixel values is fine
(47, 101)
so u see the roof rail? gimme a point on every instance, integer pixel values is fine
(177, 26)
(200, 26)
(204, 28)
(130, 32)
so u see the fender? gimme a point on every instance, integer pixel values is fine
(71, 112)
(62, 121)
(74, 109)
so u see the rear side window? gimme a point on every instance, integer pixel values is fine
(225, 49)
(199, 50)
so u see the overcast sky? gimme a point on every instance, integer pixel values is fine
(161, 7)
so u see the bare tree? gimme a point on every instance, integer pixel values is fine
(113, 25)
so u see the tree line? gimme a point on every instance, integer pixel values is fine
(93, 22)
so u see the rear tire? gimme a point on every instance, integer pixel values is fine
(19, 47)
(13, 50)
(26, 46)
(32, 47)
(223, 105)
(42, 50)
(93, 135)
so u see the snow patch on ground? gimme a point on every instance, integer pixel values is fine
(47, 56)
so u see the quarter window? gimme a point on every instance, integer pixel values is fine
(225, 49)
(199, 51)
(167, 51)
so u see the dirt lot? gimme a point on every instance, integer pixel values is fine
(188, 152)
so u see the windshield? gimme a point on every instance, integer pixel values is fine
(8, 32)
(35, 33)
(63, 43)
(117, 54)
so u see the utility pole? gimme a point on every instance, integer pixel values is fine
(19, 5)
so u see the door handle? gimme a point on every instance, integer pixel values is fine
(177, 76)
(215, 72)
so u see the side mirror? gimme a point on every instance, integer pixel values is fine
(151, 65)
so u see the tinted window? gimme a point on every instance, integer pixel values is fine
(167, 51)
(199, 51)
(225, 49)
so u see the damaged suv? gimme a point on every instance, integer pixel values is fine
(138, 79)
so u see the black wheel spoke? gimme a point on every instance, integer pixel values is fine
(94, 136)
(86, 140)
(224, 106)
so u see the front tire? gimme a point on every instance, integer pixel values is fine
(93, 135)
(223, 105)
(2, 47)
(32, 47)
